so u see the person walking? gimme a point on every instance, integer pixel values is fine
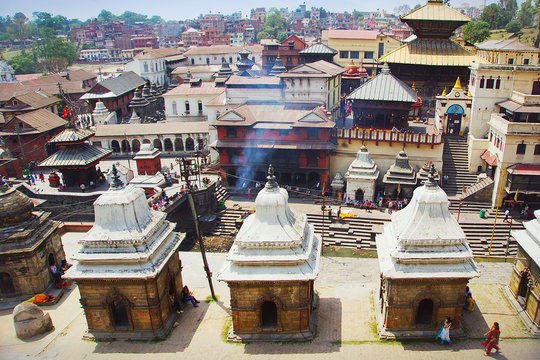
(506, 214)
(249, 193)
(329, 214)
(444, 333)
(492, 339)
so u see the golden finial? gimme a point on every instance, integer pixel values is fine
(413, 86)
(457, 85)
(469, 93)
(444, 92)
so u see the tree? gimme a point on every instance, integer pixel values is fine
(526, 13)
(24, 63)
(513, 26)
(106, 16)
(476, 31)
(402, 10)
(20, 28)
(537, 41)
(49, 26)
(156, 20)
(273, 25)
(131, 17)
(496, 16)
(52, 50)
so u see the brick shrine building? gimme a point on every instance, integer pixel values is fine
(148, 160)
(29, 243)
(523, 290)
(270, 271)
(128, 270)
(425, 265)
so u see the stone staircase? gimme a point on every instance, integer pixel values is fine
(226, 222)
(455, 166)
(472, 207)
(221, 193)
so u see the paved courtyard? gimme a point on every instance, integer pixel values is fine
(345, 322)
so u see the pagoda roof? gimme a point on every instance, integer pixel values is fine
(435, 10)
(72, 135)
(83, 155)
(363, 167)
(400, 172)
(432, 52)
(384, 87)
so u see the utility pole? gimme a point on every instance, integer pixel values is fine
(186, 172)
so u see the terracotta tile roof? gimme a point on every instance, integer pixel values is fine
(353, 34)
(435, 52)
(203, 89)
(9, 90)
(157, 53)
(41, 120)
(36, 99)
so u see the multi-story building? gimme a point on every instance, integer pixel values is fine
(191, 37)
(144, 42)
(504, 136)
(94, 54)
(258, 14)
(217, 54)
(361, 46)
(151, 65)
(510, 52)
(288, 50)
(213, 22)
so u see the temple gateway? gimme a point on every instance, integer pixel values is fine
(270, 270)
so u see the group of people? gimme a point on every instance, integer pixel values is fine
(492, 336)
(57, 272)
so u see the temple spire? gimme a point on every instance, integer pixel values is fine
(271, 183)
(457, 85)
(117, 184)
(431, 182)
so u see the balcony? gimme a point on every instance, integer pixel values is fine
(387, 136)
(525, 99)
(508, 127)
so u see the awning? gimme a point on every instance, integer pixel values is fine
(524, 169)
(515, 107)
(489, 158)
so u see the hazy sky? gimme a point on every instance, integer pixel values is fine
(182, 9)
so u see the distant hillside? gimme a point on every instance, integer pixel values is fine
(526, 35)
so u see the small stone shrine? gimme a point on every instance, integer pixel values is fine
(148, 160)
(270, 271)
(400, 178)
(128, 270)
(423, 173)
(29, 320)
(524, 291)
(425, 265)
(361, 177)
(338, 184)
(29, 244)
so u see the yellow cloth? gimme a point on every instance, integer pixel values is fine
(470, 304)
(346, 215)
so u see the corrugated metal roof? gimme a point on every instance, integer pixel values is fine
(72, 156)
(164, 128)
(123, 83)
(72, 134)
(205, 88)
(505, 45)
(318, 48)
(42, 120)
(384, 87)
(435, 52)
(436, 10)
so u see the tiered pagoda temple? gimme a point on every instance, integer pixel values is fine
(75, 158)
(425, 265)
(382, 102)
(432, 61)
(128, 270)
(29, 244)
(362, 176)
(400, 178)
(270, 271)
(318, 51)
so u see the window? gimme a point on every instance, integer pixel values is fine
(145, 67)
(510, 61)
(230, 59)
(498, 84)
(187, 107)
(368, 55)
(343, 54)
(355, 55)
(231, 132)
(482, 82)
(490, 83)
(174, 109)
(199, 107)
(537, 149)
(285, 133)
(521, 149)
(312, 134)
(525, 61)
(381, 49)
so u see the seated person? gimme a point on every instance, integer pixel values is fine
(188, 296)
(469, 303)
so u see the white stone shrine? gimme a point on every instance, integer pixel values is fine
(362, 175)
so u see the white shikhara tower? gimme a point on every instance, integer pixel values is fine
(362, 174)
(128, 269)
(425, 264)
(270, 270)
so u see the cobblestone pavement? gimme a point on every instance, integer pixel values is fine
(345, 322)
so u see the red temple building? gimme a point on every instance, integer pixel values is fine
(297, 142)
(148, 160)
(289, 51)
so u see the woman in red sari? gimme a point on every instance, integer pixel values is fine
(492, 339)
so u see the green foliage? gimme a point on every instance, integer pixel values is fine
(475, 32)
(20, 28)
(496, 16)
(263, 35)
(273, 26)
(55, 54)
(24, 63)
(131, 17)
(281, 37)
(513, 26)
(49, 26)
(526, 13)
(106, 15)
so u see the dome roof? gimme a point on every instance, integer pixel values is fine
(15, 207)
(354, 71)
